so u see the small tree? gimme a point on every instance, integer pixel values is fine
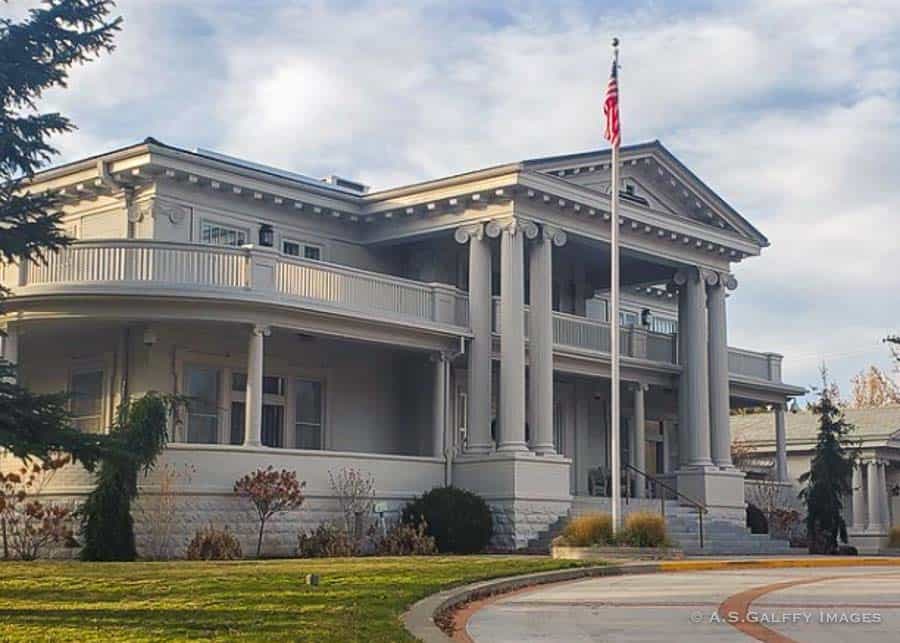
(355, 492)
(829, 479)
(271, 492)
(139, 435)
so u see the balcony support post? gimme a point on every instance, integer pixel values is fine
(254, 394)
(481, 304)
(859, 498)
(540, 381)
(781, 470)
(639, 438)
(719, 399)
(11, 351)
(439, 404)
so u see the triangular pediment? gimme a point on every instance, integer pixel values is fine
(653, 178)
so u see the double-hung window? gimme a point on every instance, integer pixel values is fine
(301, 249)
(201, 385)
(308, 424)
(86, 400)
(220, 234)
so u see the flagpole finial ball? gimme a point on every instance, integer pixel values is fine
(615, 42)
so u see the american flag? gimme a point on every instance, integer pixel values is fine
(611, 108)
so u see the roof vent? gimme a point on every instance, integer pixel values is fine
(347, 184)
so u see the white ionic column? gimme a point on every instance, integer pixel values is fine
(512, 232)
(883, 495)
(480, 346)
(719, 399)
(11, 349)
(540, 333)
(254, 395)
(439, 404)
(859, 498)
(781, 468)
(696, 364)
(638, 439)
(684, 410)
(876, 520)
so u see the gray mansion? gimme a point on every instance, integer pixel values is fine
(454, 331)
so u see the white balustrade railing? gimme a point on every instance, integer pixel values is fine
(176, 266)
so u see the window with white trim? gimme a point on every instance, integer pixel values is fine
(86, 400)
(201, 386)
(308, 412)
(301, 249)
(219, 234)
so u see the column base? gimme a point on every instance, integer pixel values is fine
(715, 488)
(513, 447)
(526, 493)
(868, 541)
(544, 449)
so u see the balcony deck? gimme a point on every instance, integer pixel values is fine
(122, 267)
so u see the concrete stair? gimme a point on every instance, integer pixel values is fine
(721, 536)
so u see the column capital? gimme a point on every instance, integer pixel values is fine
(638, 386)
(442, 356)
(724, 279)
(554, 235)
(511, 226)
(260, 329)
(464, 234)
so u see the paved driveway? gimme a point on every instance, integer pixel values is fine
(821, 605)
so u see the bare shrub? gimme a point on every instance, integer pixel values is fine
(210, 543)
(159, 511)
(326, 541)
(355, 492)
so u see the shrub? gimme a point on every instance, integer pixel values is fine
(213, 544)
(460, 521)
(271, 492)
(27, 524)
(644, 529)
(325, 541)
(894, 537)
(756, 520)
(406, 540)
(589, 529)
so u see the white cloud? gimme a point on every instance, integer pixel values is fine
(790, 109)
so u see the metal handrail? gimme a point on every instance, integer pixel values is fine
(699, 506)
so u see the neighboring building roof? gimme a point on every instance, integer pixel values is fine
(802, 427)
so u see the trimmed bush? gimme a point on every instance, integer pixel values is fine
(214, 544)
(460, 521)
(644, 529)
(406, 540)
(589, 529)
(325, 541)
(756, 520)
(894, 538)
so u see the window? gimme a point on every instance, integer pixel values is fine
(201, 385)
(86, 402)
(218, 234)
(271, 385)
(300, 249)
(308, 428)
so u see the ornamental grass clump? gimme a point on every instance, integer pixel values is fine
(894, 538)
(644, 529)
(587, 530)
(210, 543)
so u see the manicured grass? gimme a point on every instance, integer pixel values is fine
(357, 600)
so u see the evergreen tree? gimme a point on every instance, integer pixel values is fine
(140, 434)
(35, 55)
(829, 479)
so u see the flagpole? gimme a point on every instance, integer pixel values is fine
(615, 410)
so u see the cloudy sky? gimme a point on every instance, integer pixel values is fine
(790, 109)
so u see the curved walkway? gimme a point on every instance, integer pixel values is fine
(795, 604)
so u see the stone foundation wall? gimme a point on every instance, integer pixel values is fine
(516, 522)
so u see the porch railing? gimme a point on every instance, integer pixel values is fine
(762, 366)
(631, 471)
(175, 267)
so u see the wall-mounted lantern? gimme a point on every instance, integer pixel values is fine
(266, 235)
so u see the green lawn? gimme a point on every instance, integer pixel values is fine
(357, 600)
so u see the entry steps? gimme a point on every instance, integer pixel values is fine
(721, 536)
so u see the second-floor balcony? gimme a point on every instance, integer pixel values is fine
(154, 268)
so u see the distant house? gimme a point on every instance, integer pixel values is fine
(875, 503)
